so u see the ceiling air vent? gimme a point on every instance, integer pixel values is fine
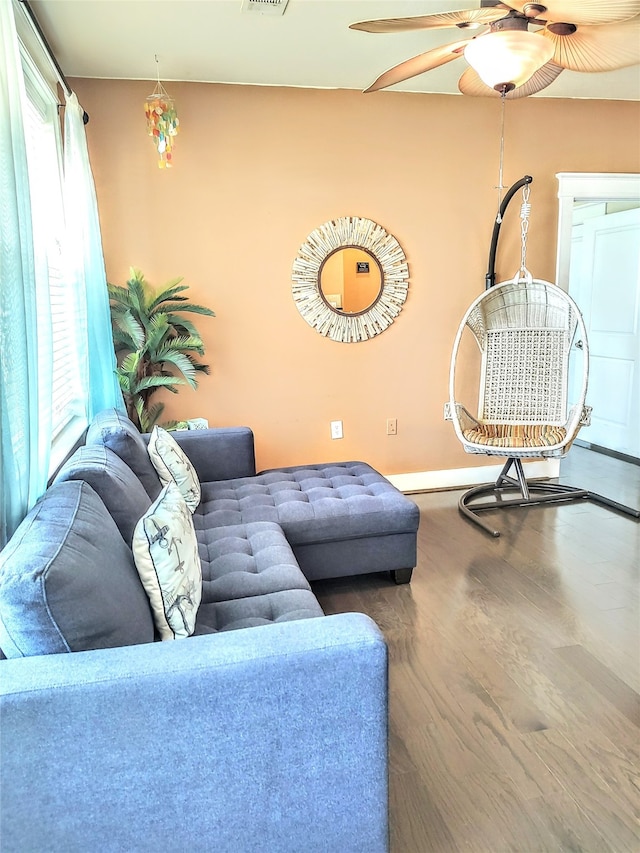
(264, 7)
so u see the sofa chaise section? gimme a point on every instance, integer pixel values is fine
(340, 518)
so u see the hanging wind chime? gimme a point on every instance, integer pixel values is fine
(162, 122)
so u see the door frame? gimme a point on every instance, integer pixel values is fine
(586, 186)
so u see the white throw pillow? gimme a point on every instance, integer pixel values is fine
(174, 466)
(165, 551)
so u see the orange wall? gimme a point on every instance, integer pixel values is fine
(257, 169)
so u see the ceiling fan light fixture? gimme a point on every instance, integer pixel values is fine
(505, 59)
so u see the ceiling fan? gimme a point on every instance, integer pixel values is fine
(523, 46)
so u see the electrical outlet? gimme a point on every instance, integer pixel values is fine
(392, 426)
(336, 429)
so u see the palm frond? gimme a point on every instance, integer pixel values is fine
(190, 343)
(153, 415)
(124, 381)
(195, 309)
(183, 326)
(157, 330)
(147, 416)
(148, 382)
(130, 329)
(119, 294)
(136, 275)
(197, 365)
(169, 292)
(122, 342)
(137, 289)
(130, 363)
(180, 361)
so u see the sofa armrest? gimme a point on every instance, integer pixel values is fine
(219, 454)
(271, 738)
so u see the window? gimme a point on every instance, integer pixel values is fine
(61, 401)
(57, 366)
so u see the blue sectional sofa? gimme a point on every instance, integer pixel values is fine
(264, 731)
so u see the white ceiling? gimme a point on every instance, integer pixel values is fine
(311, 45)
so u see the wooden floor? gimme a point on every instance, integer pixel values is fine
(515, 674)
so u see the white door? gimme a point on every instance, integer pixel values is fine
(605, 283)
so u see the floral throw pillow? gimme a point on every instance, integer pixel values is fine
(173, 465)
(165, 551)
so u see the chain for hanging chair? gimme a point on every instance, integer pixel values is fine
(525, 212)
(501, 186)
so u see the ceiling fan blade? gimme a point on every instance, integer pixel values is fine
(471, 84)
(585, 11)
(419, 64)
(598, 48)
(471, 18)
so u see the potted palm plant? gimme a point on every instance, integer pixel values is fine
(156, 346)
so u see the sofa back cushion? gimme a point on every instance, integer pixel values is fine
(68, 581)
(114, 430)
(118, 487)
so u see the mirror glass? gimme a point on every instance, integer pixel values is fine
(350, 280)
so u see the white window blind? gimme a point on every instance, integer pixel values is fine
(57, 320)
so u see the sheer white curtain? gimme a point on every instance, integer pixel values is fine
(25, 339)
(84, 266)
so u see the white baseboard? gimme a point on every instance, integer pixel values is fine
(460, 478)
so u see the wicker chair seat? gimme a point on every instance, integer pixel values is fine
(515, 435)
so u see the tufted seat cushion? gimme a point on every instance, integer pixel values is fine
(317, 503)
(284, 606)
(245, 560)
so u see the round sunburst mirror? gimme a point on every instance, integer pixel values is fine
(350, 279)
